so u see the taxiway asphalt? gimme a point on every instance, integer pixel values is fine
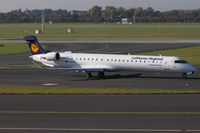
(111, 40)
(99, 113)
(131, 79)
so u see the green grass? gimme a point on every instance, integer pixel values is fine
(96, 24)
(11, 48)
(9, 89)
(159, 30)
(192, 54)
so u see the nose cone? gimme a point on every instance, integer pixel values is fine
(193, 69)
(190, 69)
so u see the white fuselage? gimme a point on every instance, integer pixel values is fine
(114, 62)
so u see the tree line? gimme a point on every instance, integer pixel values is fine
(97, 14)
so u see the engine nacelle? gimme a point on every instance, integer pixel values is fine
(52, 56)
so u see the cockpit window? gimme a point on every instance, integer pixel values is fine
(180, 61)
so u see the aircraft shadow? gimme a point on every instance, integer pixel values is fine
(168, 77)
(115, 76)
(138, 75)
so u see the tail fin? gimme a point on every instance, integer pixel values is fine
(34, 45)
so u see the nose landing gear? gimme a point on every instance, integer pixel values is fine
(184, 76)
(186, 79)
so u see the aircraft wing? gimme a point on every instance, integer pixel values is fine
(79, 69)
(86, 69)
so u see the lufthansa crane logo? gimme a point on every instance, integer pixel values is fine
(35, 47)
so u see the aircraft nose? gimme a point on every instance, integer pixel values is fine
(194, 69)
(190, 69)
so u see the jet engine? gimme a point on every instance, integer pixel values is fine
(52, 56)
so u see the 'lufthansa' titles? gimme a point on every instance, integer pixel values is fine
(147, 58)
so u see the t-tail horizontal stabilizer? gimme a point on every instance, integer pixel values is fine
(34, 45)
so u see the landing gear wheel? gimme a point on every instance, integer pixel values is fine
(89, 75)
(101, 74)
(184, 76)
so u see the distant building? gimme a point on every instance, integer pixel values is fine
(79, 13)
(126, 21)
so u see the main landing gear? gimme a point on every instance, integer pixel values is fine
(101, 74)
(186, 79)
(89, 75)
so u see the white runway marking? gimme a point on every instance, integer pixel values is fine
(50, 84)
(104, 130)
(116, 113)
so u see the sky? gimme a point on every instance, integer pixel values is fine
(162, 5)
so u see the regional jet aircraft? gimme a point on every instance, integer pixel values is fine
(100, 63)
